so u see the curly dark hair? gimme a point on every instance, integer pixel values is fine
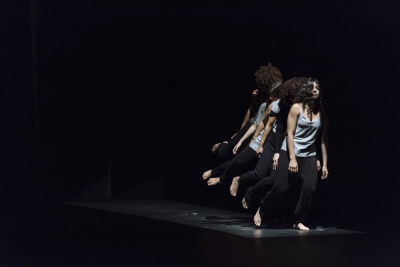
(266, 76)
(290, 89)
(305, 95)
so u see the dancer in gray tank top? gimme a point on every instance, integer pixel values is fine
(297, 158)
(265, 77)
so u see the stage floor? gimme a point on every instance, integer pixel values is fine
(164, 233)
(240, 224)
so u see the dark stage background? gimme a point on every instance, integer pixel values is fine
(133, 94)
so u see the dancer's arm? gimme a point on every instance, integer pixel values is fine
(246, 118)
(291, 128)
(324, 146)
(279, 137)
(267, 130)
(263, 121)
(249, 132)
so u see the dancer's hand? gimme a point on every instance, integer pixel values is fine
(259, 151)
(235, 149)
(318, 165)
(275, 161)
(324, 172)
(293, 166)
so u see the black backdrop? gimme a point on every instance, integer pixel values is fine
(155, 84)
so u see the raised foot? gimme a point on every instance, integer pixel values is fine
(215, 147)
(301, 227)
(234, 186)
(206, 175)
(213, 181)
(244, 204)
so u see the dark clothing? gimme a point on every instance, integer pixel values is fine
(225, 150)
(255, 194)
(308, 174)
(244, 161)
(262, 169)
(272, 145)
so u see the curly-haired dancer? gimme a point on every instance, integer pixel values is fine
(269, 141)
(246, 159)
(265, 77)
(297, 157)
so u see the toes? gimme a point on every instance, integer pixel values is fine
(244, 204)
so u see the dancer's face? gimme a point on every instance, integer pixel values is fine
(273, 98)
(315, 90)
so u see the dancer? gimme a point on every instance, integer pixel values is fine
(268, 142)
(265, 77)
(245, 160)
(297, 157)
(257, 129)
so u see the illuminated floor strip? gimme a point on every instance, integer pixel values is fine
(204, 217)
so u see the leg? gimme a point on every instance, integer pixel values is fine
(214, 149)
(255, 194)
(216, 172)
(283, 182)
(308, 173)
(225, 150)
(263, 167)
(244, 161)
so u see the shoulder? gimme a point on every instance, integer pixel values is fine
(269, 108)
(275, 106)
(296, 108)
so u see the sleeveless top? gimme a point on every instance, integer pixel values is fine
(274, 112)
(305, 136)
(259, 115)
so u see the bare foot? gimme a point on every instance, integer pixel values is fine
(301, 227)
(206, 175)
(258, 217)
(234, 186)
(213, 181)
(214, 148)
(244, 204)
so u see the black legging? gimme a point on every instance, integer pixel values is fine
(263, 167)
(255, 194)
(308, 173)
(244, 161)
(224, 150)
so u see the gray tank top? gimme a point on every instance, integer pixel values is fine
(259, 115)
(256, 142)
(305, 136)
